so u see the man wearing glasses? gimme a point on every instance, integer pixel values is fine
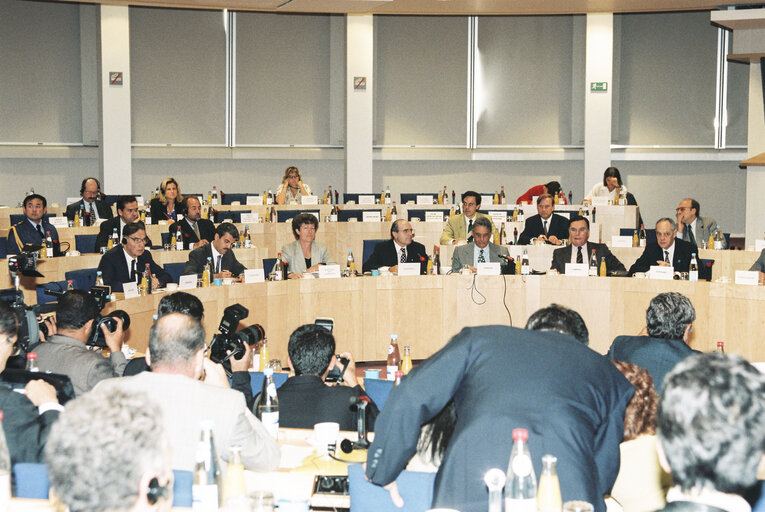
(458, 228)
(127, 262)
(693, 228)
(401, 248)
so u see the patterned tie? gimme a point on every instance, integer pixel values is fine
(481, 259)
(217, 264)
(691, 236)
(92, 213)
(579, 258)
(666, 256)
(403, 255)
(544, 227)
(470, 231)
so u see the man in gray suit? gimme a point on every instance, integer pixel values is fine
(176, 355)
(480, 250)
(65, 352)
(693, 228)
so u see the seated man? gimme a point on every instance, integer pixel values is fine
(480, 250)
(551, 188)
(34, 228)
(127, 262)
(66, 352)
(711, 429)
(666, 251)
(176, 354)
(691, 227)
(581, 249)
(669, 320)
(458, 228)
(759, 266)
(195, 230)
(219, 252)
(551, 228)
(94, 208)
(27, 417)
(127, 213)
(306, 399)
(109, 453)
(401, 248)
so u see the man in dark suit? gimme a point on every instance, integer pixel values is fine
(34, 228)
(94, 209)
(401, 248)
(219, 253)
(581, 249)
(667, 251)
(305, 399)
(195, 231)
(669, 320)
(127, 213)
(551, 228)
(127, 261)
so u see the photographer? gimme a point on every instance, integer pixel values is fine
(66, 352)
(306, 399)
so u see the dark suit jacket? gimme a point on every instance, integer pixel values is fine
(533, 228)
(681, 260)
(198, 260)
(385, 255)
(206, 231)
(25, 430)
(159, 211)
(562, 256)
(28, 235)
(104, 210)
(657, 355)
(115, 271)
(305, 400)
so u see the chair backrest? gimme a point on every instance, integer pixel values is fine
(234, 215)
(82, 279)
(285, 215)
(406, 197)
(165, 238)
(344, 215)
(18, 217)
(268, 265)
(369, 247)
(175, 270)
(230, 198)
(182, 484)
(705, 268)
(110, 199)
(3, 247)
(85, 243)
(378, 390)
(416, 489)
(44, 298)
(31, 480)
(256, 381)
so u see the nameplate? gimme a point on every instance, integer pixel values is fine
(254, 275)
(424, 199)
(309, 199)
(577, 269)
(759, 245)
(249, 218)
(488, 269)
(434, 216)
(59, 222)
(371, 216)
(600, 201)
(366, 199)
(621, 241)
(498, 217)
(253, 200)
(329, 271)
(140, 201)
(747, 277)
(409, 269)
(187, 282)
(130, 289)
(661, 272)
(487, 200)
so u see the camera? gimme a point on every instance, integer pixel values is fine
(96, 338)
(24, 263)
(336, 374)
(229, 340)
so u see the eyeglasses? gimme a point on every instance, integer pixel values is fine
(293, 176)
(468, 204)
(137, 240)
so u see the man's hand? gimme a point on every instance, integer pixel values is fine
(474, 270)
(40, 392)
(662, 263)
(554, 240)
(114, 339)
(292, 275)
(201, 243)
(459, 241)
(245, 363)
(393, 269)
(762, 277)
(680, 223)
(395, 496)
(50, 323)
(349, 377)
(154, 282)
(223, 275)
(214, 374)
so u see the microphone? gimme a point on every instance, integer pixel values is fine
(361, 402)
(507, 259)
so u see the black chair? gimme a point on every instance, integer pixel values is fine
(233, 215)
(369, 247)
(230, 198)
(110, 199)
(85, 243)
(56, 286)
(344, 215)
(268, 265)
(3, 247)
(82, 279)
(175, 270)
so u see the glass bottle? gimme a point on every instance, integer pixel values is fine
(173, 242)
(76, 219)
(32, 362)
(333, 214)
(548, 494)
(49, 245)
(719, 238)
(495, 481)
(720, 347)
(515, 214)
(69, 285)
(178, 239)
(268, 408)
(263, 355)
(234, 485)
(711, 241)
(502, 235)
(521, 484)
(502, 196)
(205, 490)
(593, 264)
(393, 213)
(387, 195)
(406, 362)
(525, 266)
(147, 278)
(570, 197)
(437, 260)
(394, 358)
(446, 196)
(642, 236)
(521, 215)
(635, 239)
(693, 269)
(5, 470)
(603, 272)
(593, 215)
(99, 278)
(206, 273)
(350, 266)
(515, 235)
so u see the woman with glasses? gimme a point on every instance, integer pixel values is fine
(292, 187)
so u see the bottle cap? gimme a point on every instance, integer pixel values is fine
(399, 374)
(1, 415)
(720, 343)
(33, 355)
(394, 336)
(520, 434)
(206, 424)
(268, 372)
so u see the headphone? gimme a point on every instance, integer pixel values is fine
(157, 492)
(82, 186)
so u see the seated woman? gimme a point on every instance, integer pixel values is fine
(612, 180)
(641, 485)
(305, 254)
(292, 187)
(168, 204)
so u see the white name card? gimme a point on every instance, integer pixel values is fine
(487, 269)
(498, 217)
(139, 200)
(309, 199)
(486, 200)
(188, 282)
(254, 275)
(759, 245)
(747, 277)
(409, 269)
(249, 218)
(329, 271)
(130, 289)
(253, 200)
(370, 216)
(577, 269)
(600, 201)
(621, 241)
(661, 272)
(59, 222)
(424, 199)
(366, 199)
(434, 216)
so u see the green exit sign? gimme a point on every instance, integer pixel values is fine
(598, 86)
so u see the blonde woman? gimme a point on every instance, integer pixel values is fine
(168, 204)
(292, 187)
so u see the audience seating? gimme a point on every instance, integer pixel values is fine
(3, 247)
(31, 480)
(285, 215)
(650, 234)
(416, 489)
(378, 390)
(369, 247)
(175, 270)
(355, 197)
(82, 279)
(234, 216)
(85, 243)
(44, 298)
(268, 265)
(406, 197)
(230, 198)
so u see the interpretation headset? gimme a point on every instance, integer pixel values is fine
(157, 492)
(82, 186)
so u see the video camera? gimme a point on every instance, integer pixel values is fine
(229, 339)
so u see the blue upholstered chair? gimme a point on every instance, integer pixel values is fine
(175, 270)
(82, 279)
(369, 247)
(378, 390)
(416, 489)
(31, 480)
(85, 243)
